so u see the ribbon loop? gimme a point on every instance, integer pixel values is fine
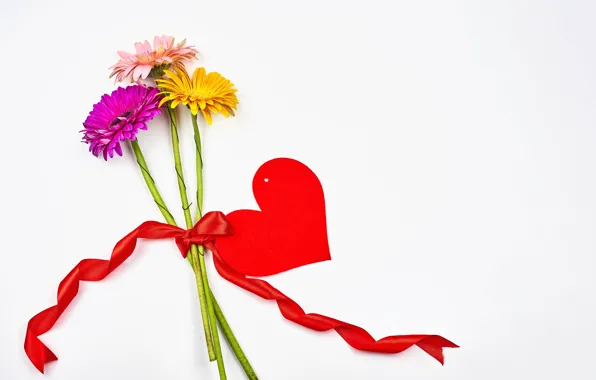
(211, 225)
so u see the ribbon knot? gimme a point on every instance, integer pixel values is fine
(183, 242)
(209, 227)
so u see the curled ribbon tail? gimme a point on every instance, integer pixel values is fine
(36, 350)
(211, 225)
(355, 336)
(86, 270)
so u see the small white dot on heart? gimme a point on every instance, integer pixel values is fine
(266, 179)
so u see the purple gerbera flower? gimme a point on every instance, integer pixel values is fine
(118, 117)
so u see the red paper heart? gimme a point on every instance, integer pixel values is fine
(290, 230)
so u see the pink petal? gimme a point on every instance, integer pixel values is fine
(136, 73)
(124, 54)
(167, 41)
(145, 70)
(129, 69)
(139, 47)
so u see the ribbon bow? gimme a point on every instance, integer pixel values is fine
(210, 226)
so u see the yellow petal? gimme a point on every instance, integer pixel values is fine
(174, 103)
(207, 116)
(163, 101)
(230, 110)
(183, 75)
(176, 80)
(199, 78)
(195, 79)
(193, 108)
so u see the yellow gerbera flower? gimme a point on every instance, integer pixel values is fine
(211, 93)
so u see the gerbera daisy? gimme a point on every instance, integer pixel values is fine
(119, 117)
(211, 93)
(161, 56)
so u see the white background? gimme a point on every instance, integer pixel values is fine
(464, 130)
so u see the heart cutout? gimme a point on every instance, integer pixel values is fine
(290, 230)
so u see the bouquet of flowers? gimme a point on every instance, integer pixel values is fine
(289, 231)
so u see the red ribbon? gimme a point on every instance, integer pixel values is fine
(211, 225)
(355, 336)
(204, 233)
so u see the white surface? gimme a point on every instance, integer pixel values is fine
(465, 129)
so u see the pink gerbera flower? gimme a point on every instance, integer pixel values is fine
(163, 54)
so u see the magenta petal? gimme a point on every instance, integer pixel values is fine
(118, 117)
(118, 149)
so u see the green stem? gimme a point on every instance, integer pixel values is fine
(211, 301)
(194, 252)
(202, 266)
(178, 166)
(170, 219)
(212, 318)
(227, 331)
(162, 206)
(199, 166)
(151, 184)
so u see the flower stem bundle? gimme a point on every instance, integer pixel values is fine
(118, 118)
